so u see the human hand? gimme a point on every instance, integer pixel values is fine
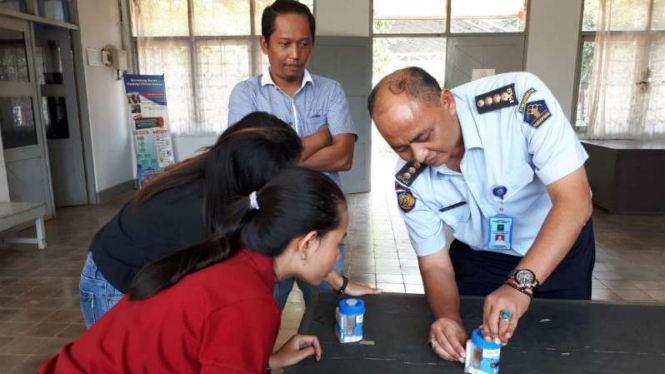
(505, 298)
(296, 349)
(360, 289)
(322, 136)
(447, 338)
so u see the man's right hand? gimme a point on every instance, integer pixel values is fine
(313, 143)
(448, 338)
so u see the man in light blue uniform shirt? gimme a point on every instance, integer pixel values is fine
(497, 162)
(315, 106)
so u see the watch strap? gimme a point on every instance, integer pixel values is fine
(345, 282)
(525, 290)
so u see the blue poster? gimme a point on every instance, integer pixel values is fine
(146, 97)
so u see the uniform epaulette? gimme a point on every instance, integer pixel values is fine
(409, 172)
(502, 97)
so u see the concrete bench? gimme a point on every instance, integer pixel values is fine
(16, 214)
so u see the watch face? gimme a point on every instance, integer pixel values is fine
(525, 277)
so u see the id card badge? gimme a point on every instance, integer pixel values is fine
(501, 232)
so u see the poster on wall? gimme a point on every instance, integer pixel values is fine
(146, 97)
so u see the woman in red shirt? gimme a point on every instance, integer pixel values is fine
(210, 308)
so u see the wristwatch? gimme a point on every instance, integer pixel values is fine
(523, 280)
(345, 282)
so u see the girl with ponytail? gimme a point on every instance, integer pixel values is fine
(186, 205)
(210, 308)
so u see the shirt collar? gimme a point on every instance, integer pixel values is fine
(467, 124)
(266, 79)
(469, 131)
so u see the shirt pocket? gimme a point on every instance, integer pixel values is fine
(517, 179)
(455, 217)
(314, 122)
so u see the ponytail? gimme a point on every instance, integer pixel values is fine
(294, 203)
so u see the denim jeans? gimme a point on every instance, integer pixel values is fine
(98, 296)
(283, 288)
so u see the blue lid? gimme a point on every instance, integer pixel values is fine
(351, 306)
(478, 341)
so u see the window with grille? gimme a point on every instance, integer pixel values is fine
(203, 48)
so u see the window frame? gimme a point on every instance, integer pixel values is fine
(252, 39)
(446, 33)
(590, 36)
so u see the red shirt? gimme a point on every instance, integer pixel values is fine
(222, 319)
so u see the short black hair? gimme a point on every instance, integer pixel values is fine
(414, 81)
(271, 12)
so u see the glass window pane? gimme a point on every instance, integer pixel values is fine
(13, 59)
(54, 9)
(221, 66)
(171, 58)
(15, 5)
(624, 57)
(585, 79)
(221, 17)
(160, 18)
(48, 61)
(423, 16)
(658, 15)
(487, 16)
(17, 122)
(626, 15)
(54, 111)
(262, 61)
(391, 54)
(655, 117)
(590, 16)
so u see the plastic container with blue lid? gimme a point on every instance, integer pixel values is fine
(350, 317)
(481, 357)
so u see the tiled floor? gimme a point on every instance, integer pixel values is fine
(39, 289)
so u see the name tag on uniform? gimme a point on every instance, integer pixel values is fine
(501, 232)
(501, 225)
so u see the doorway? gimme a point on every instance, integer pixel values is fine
(21, 128)
(59, 103)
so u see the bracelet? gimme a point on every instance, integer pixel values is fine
(345, 283)
(513, 283)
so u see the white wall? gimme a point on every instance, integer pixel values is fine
(187, 146)
(552, 42)
(111, 139)
(342, 17)
(4, 186)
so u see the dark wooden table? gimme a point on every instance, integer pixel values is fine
(553, 337)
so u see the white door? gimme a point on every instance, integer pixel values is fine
(20, 122)
(465, 53)
(55, 72)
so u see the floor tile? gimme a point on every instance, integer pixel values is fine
(391, 287)
(633, 295)
(389, 278)
(8, 362)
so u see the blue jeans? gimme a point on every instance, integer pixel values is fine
(283, 288)
(98, 296)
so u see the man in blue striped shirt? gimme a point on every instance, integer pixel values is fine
(315, 106)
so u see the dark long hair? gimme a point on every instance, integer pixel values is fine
(271, 12)
(245, 157)
(294, 203)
